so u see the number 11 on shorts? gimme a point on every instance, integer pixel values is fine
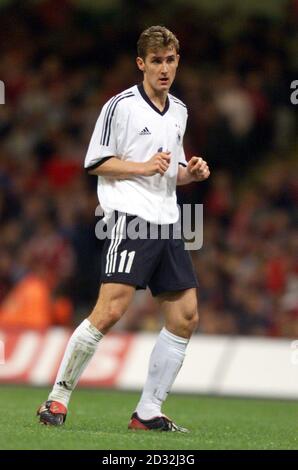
(123, 256)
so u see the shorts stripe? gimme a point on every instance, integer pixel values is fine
(114, 255)
(116, 238)
(111, 244)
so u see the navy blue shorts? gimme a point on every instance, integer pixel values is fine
(160, 263)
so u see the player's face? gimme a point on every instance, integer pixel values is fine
(159, 68)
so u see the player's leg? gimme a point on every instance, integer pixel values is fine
(174, 285)
(112, 303)
(181, 319)
(181, 312)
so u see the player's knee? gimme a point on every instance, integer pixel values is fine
(194, 322)
(104, 316)
(185, 323)
(191, 319)
(113, 313)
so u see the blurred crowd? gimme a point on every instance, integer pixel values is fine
(60, 63)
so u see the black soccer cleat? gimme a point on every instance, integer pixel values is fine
(52, 413)
(159, 423)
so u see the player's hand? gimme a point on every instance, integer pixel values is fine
(198, 169)
(159, 163)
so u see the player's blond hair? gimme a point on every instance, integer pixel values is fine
(154, 38)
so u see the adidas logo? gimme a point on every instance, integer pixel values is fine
(145, 131)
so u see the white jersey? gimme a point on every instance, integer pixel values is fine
(131, 128)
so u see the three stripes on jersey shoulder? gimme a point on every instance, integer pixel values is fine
(177, 101)
(107, 123)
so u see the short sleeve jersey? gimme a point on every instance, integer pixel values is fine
(131, 128)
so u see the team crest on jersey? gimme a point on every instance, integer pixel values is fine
(179, 135)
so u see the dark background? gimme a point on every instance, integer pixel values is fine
(60, 62)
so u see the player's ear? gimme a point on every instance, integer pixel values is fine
(140, 63)
(178, 58)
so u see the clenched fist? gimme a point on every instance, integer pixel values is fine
(198, 169)
(159, 163)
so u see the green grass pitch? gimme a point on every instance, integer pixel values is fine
(98, 419)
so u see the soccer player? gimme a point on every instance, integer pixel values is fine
(136, 151)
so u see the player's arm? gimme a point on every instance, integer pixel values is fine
(196, 170)
(113, 167)
(103, 158)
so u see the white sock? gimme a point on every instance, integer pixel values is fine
(165, 362)
(79, 351)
